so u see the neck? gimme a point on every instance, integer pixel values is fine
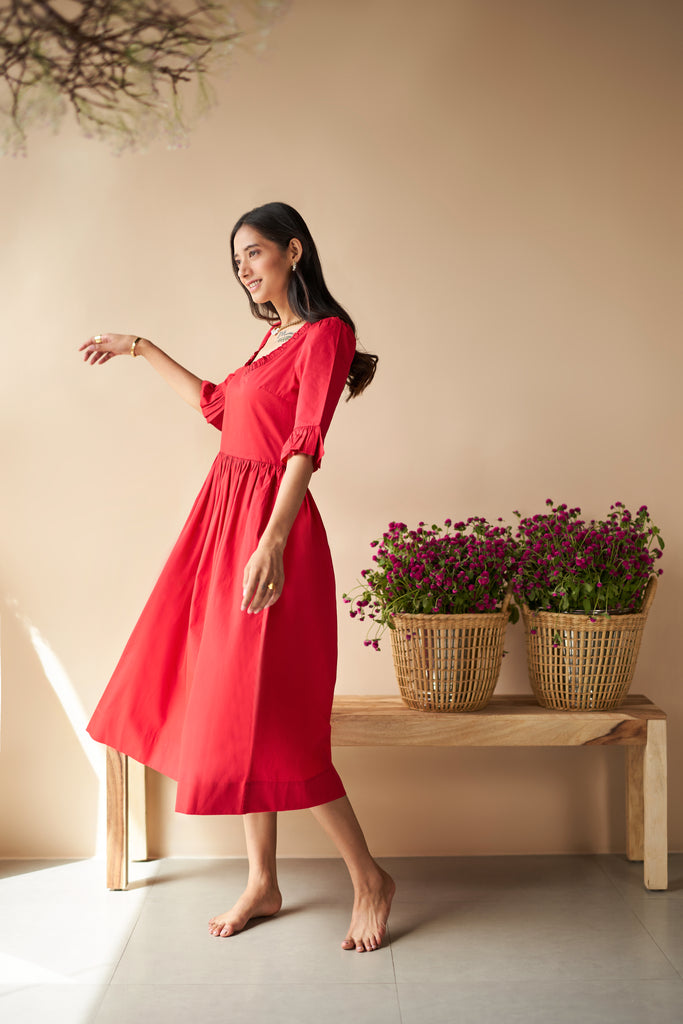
(285, 314)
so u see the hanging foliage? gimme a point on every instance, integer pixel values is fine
(127, 69)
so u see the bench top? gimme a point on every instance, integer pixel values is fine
(514, 720)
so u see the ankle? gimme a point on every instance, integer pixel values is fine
(368, 880)
(262, 881)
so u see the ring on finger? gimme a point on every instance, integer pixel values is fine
(98, 339)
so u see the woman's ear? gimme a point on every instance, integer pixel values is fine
(295, 249)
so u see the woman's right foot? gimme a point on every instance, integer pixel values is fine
(252, 903)
(371, 908)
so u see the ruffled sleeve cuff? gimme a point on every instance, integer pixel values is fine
(212, 403)
(304, 441)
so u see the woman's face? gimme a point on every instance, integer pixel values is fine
(262, 266)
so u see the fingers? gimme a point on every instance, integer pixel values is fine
(257, 595)
(261, 588)
(103, 347)
(97, 349)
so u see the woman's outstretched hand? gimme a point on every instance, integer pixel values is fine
(264, 579)
(103, 347)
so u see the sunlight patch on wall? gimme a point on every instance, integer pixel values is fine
(66, 694)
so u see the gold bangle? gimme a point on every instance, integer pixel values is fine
(132, 347)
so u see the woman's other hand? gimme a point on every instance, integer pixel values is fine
(263, 580)
(103, 347)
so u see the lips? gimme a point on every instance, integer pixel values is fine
(254, 285)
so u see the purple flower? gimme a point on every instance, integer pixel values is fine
(564, 560)
(461, 567)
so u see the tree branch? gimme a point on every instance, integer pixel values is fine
(118, 64)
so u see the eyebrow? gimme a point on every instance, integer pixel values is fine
(254, 245)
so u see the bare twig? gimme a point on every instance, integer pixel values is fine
(119, 65)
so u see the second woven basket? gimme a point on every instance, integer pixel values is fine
(581, 663)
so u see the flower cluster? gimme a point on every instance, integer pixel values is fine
(568, 565)
(463, 567)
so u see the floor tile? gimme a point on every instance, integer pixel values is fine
(33, 880)
(251, 1004)
(171, 945)
(627, 877)
(664, 922)
(482, 941)
(498, 879)
(225, 879)
(566, 1002)
(58, 1004)
(60, 925)
(19, 868)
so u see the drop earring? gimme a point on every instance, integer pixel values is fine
(293, 267)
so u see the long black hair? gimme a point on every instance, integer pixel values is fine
(307, 294)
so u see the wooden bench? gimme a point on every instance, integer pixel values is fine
(508, 721)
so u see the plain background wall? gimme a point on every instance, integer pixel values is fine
(495, 191)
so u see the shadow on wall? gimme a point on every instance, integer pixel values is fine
(57, 762)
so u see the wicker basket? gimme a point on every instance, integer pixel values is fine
(448, 662)
(576, 663)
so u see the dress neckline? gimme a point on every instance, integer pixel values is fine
(254, 361)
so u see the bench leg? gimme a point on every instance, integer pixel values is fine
(137, 810)
(635, 810)
(655, 806)
(117, 819)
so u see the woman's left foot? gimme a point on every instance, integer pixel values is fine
(371, 908)
(254, 902)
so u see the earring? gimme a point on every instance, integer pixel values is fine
(293, 267)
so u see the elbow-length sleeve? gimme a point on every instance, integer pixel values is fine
(322, 367)
(212, 402)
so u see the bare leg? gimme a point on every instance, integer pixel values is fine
(373, 887)
(262, 897)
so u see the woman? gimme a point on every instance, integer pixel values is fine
(226, 683)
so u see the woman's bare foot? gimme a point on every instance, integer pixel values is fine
(252, 903)
(371, 908)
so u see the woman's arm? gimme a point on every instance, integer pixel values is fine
(266, 565)
(186, 384)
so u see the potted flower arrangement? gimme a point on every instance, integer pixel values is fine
(585, 589)
(443, 592)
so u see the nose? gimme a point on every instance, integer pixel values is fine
(244, 268)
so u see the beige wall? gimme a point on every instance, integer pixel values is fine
(495, 189)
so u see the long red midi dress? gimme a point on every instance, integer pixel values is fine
(236, 706)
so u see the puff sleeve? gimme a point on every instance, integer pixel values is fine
(212, 402)
(322, 367)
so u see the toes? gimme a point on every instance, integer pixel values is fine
(363, 945)
(220, 930)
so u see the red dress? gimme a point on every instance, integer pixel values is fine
(236, 707)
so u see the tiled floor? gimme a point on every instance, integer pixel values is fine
(557, 940)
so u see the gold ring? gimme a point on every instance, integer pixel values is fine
(271, 586)
(98, 339)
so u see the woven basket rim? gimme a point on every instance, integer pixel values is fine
(457, 619)
(572, 620)
(600, 621)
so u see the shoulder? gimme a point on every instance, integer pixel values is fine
(331, 330)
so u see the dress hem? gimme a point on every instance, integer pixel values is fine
(255, 797)
(248, 797)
